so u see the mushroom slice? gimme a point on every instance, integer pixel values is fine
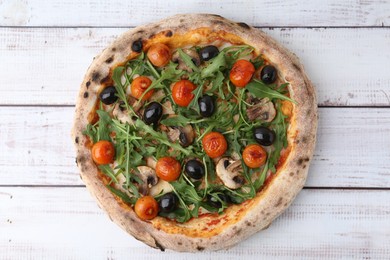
(228, 171)
(185, 135)
(148, 177)
(261, 109)
(182, 65)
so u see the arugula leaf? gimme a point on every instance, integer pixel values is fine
(178, 120)
(122, 195)
(260, 90)
(91, 132)
(187, 60)
(214, 66)
(107, 170)
(104, 129)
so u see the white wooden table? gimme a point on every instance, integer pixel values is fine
(45, 49)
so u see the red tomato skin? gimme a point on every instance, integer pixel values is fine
(241, 73)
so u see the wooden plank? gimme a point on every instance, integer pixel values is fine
(131, 13)
(348, 66)
(352, 148)
(52, 223)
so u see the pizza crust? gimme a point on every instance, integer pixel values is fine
(260, 211)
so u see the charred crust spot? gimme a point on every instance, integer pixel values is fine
(280, 200)
(105, 79)
(300, 161)
(168, 33)
(152, 35)
(159, 246)
(86, 94)
(285, 204)
(95, 76)
(297, 141)
(238, 231)
(113, 49)
(179, 243)
(304, 139)
(140, 31)
(296, 67)
(216, 15)
(306, 159)
(217, 22)
(304, 166)
(248, 223)
(199, 248)
(87, 84)
(181, 20)
(109, 60)
(243, 25)
(213, 243)
(291, 174)
(76, 140)
(80, 159)
(77, 163)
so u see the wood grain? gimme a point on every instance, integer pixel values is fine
(352, 148)
(66, 223)
(131, 13)
(349, 67)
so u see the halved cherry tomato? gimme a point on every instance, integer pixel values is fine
(214, 144)
(182, 92)
(146, 208)
(138, 87)
(168, 168)
(241, 73)
(254, 156)
(159, 54)
(103, 152)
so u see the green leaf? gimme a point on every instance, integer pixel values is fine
(187, 60)
(122, 195)
(104, 129)
(107, 170)
(214, 66)
(178, 120)
(91, 132)
(260, 90)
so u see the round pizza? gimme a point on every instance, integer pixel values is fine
(195, 132)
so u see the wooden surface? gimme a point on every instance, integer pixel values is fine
(45, 49)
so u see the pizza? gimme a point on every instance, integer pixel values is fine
(195, 132)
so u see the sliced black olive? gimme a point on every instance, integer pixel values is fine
(153, 112)
(208, 52)
(137, 46)
(195, 169)
(168, 202)
(268, 74)
(216, 203)
(206, 106)
(264, 135)
(108, 95)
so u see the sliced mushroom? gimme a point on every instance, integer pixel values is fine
(121, 113)
(148, 177)
(229, 171)
(185, 135)
(261, 109)
(182, 65)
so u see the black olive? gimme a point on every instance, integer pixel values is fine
(206, 106)
(153, 112)
(231, 198)
(264, 136)
(183, 139)
(194, 169)
(137, 46)
(168, 202)
(108, 95)
(215, 203)
(268, 74)
(208, 52)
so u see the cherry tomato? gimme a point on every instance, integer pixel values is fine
(146, 208)
(182, 92)
(159, 54)
(254, 156)
(168, 168)
(241, 73)
(103, 152)
(214, 144)
(138, 87)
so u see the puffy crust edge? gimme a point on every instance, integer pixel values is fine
(279, 193)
